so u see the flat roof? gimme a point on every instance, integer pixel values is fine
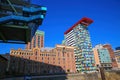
(85, 21)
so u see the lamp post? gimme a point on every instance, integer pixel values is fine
(102, 73)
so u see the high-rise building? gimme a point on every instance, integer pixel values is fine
(78, 36)
(19, 20)
(37, 40)
(112, 55)
(102, 57)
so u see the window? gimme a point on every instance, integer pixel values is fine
(58, 54)
(63, 54)
(58, 58)
(105, 65)
(34, 43)
(42, 58)
(67, 54)
(39, 41)
(36, 52)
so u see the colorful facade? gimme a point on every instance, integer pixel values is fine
(37, 40)
(78, 36)
(43, 60)
(102, 57)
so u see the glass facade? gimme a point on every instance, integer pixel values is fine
(104, 56)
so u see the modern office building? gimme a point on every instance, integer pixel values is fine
(102, 57)
(19, 20)
(37, 40)
(78, 36)
(60, 59)
(117, 57)
(112, 55)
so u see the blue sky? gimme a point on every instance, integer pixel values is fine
(62, 14)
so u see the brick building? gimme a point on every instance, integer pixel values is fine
(112, 55)
(37, 40)
(117, 57)
(43, 60)
(102, 57)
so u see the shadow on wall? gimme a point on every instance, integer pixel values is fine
(22, 67)
(3, 63)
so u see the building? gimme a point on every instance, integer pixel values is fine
(21, 19)
(117, 57)
(117, 48)
(112, 55)
(78, 36)
(102, 57)
(37, 40)
(60, 56)
(3, 66)
(43, 60)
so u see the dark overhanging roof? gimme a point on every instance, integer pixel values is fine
(19, 31)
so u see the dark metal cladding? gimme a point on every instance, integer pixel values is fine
(19, 20)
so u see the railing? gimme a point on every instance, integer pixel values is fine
(21, 18)
(28, 9)
(32, 9)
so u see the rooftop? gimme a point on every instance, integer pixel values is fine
(84, 21)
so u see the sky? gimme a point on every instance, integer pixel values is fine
(62, 14)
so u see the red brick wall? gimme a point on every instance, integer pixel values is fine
(112, 55)
(37, 61)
